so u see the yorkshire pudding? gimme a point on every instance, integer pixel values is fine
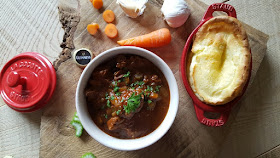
(219, 62)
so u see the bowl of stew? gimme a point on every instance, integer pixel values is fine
(127, 98)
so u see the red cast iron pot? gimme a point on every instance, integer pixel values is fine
(199, 106)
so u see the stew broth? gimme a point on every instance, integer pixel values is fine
(127, 96)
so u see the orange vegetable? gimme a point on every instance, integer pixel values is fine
(111, 30)
(154, 95)
(108, 16)
(112, 122)
(156, 38)
(97, 4)
(92, 28)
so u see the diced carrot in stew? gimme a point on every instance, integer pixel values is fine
(154, 95)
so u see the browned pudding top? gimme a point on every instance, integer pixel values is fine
(219, 62)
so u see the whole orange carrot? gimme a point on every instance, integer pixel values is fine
(156, 38)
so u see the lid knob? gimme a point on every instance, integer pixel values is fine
(14, 79)
(27, 82)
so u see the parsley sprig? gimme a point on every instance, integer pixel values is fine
(133, 103)
(127, 74)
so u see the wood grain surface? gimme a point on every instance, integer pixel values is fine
(25, 25)
(34, 26)
(187, 137)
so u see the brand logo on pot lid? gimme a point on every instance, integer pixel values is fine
(27, 82)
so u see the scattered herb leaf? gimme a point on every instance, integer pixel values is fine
(106, 96)
(112, 97)
(118, 94)
(116, 89)
(157, 88)
(114, 83)
(149, 101)
(118, 112)
(127, 74)
(139, 83)
(108, 103)
(106, 116)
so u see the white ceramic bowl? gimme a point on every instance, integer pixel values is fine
(126, 144)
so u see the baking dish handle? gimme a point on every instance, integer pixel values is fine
(219, 7)
(211, 122)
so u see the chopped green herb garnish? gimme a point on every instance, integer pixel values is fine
(106, 116)
(139, 83)
(133, 103)
(149, 88)
(108, 103)
(114, 83)
(88, 155)
(157, 88)
(118, 112)
(106, 96)
(149, 101)
(127, 74)
(119, 81)
(118, 94)
(116, 89)
(112, 97)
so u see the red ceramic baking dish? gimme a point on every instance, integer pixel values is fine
(201, 107)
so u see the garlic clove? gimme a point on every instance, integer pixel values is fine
(133, 8)
(176, 12)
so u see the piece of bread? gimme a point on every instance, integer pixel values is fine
(219, 62)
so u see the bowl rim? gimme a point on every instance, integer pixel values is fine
(127, 144)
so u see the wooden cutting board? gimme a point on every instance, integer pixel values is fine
(186, 138)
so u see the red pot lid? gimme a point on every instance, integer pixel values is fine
(27, 82)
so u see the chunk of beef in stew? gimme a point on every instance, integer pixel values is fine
(127, 96)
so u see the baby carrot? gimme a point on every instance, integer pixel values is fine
(111, 30)
(108, 16)
(92, 28)
(97, 4)
(156, 38)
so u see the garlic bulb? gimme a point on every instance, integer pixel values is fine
(133, 8)
(175, 12)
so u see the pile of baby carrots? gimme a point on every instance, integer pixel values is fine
(156, 38)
